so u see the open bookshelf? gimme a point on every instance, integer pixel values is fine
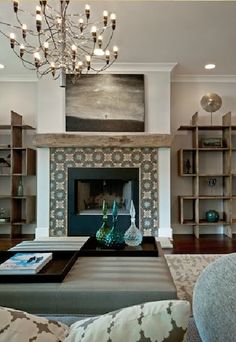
(210, 161)
(17, 164)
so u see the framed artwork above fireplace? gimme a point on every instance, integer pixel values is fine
(105, 103)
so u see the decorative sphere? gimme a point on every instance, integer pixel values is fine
(212, 216)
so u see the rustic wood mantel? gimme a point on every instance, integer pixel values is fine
(102, 140)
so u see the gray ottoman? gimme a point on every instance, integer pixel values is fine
(214, 301)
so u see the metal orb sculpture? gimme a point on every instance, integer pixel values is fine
(211, 103)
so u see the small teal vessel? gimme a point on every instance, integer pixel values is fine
(104, 229)
(212, 216)
(115, 238)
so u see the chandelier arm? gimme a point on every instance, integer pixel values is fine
(73, 39)
(15, 27)
(52, 9)
(9, 25)
(18, 19)
(85, 49)
(110, 39)
(65, 8)
(41, 47)
(24, 61)
(4, 32)
(50, 29)
(26, 66)
(106, 66)
(42, 73)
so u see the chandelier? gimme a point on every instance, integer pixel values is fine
(56, 42)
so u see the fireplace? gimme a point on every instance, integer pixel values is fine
(142, 161)
(87, 188)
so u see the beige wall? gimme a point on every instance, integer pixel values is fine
(20, 97)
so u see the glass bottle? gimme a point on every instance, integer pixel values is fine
(104, 229)
(115, 238)
(20, 190)
(133, 236)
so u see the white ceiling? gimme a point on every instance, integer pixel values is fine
(190, 33)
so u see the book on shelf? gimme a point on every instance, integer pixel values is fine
(25, 263)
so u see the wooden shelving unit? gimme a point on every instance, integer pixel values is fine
(20, 163)
(193, 162)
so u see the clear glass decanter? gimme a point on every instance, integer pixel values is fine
(133, 236)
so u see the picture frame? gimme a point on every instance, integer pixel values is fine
(105, 103)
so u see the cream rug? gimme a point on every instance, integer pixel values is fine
(185, 269)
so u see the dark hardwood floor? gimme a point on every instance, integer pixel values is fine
(6, 243)
(183, 244)
(206, 244)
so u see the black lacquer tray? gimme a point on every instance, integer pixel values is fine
(147, 248)
(54, 271)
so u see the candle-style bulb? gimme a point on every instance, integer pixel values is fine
(12, 40)
(46, 46)
(115, 51)
(105, 18)
(15, 5)
(22, 50)
(94, 33)
(107, 53)
(113, 21)
(37, 59)
(87, 11)
(88, 60)
(38, 22)
(24, 28)
(81, 24)
(100, 38)
(53, 71)
(38, 10)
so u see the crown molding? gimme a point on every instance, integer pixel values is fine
(141, 67)
(204, 79)
(125, 68)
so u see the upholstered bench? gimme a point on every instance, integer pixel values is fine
(95, 285)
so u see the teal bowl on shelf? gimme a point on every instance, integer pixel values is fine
(212, 216)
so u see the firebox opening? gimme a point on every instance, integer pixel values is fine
(90, 195)
(88, 187)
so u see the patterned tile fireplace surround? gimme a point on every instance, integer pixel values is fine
(143, 158)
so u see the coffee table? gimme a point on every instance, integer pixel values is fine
(95, 285)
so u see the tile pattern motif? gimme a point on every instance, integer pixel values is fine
(146, 159)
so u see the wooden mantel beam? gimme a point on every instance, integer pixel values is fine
(102, 140)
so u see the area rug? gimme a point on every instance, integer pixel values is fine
(185, 269)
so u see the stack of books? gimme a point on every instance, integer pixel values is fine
(25, 263)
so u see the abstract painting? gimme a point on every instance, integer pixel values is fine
(105, 103)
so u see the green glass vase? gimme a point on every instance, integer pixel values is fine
(104, 229)
(115, 238)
